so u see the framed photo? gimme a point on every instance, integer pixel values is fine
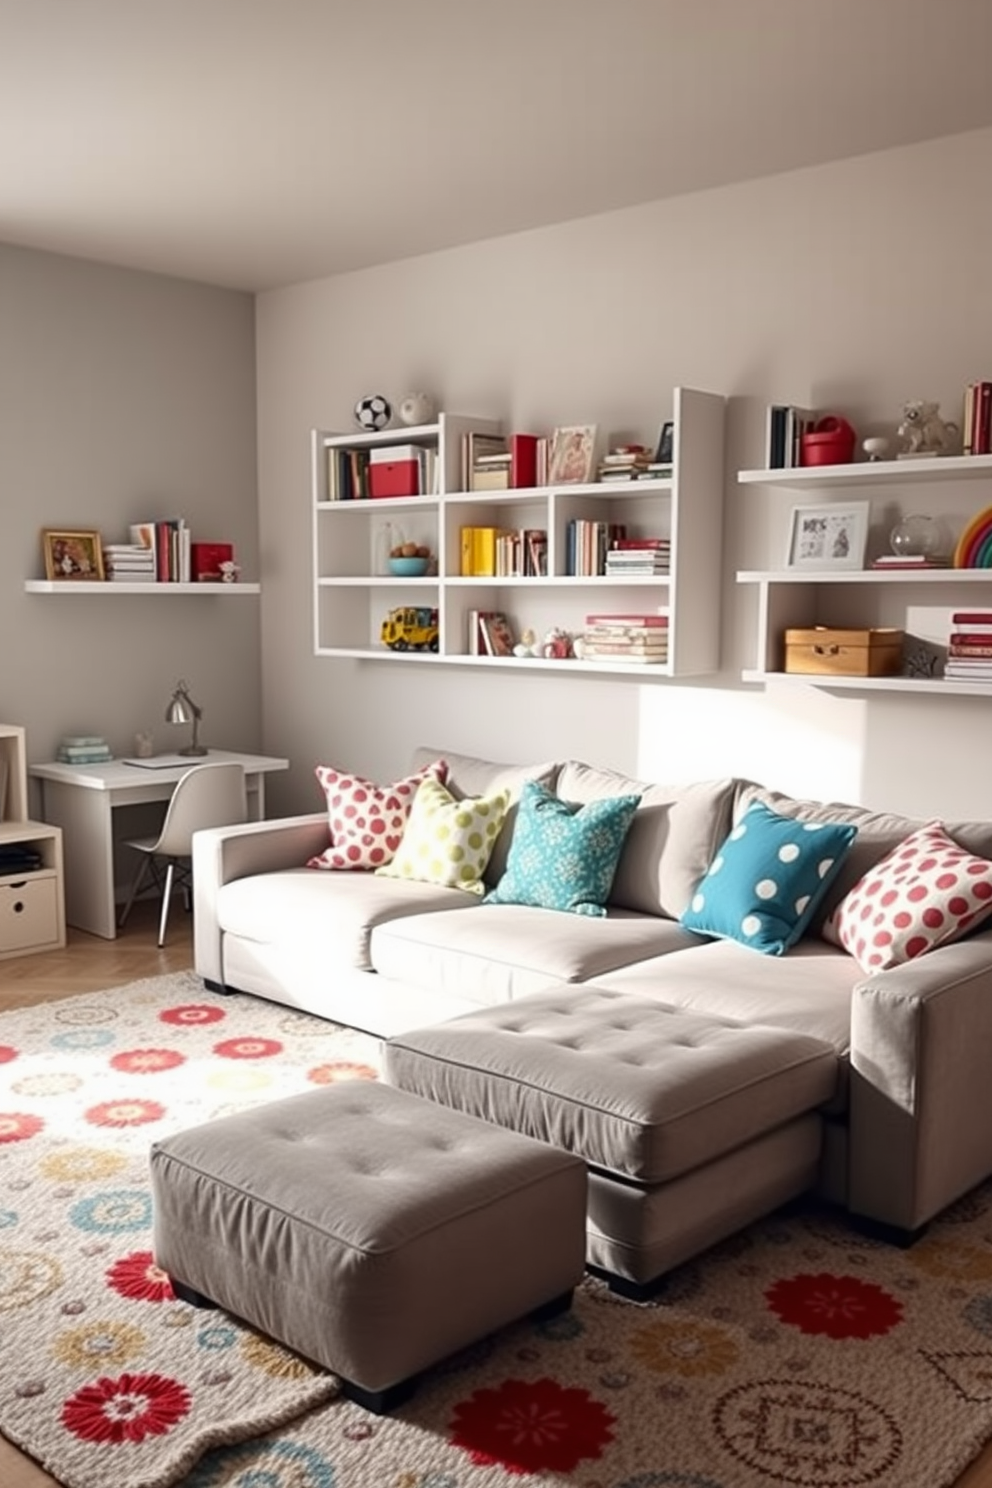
(664, 454)
(829, 536)
(573, 455)
(72, 555)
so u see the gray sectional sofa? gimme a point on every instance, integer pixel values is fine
(903, 1123)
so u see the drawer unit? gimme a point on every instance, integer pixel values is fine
(29, 913)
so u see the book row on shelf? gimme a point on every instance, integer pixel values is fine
(359, 474)
(596, 549)
(503, 552)
(641, 638)
(162, 552)
(787, 424)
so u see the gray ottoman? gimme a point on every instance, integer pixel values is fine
(368, 1230)
(692, 1125)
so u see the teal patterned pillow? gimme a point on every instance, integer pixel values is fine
(767, 880)
(564, 856)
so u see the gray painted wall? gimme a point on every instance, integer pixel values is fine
(124, 396)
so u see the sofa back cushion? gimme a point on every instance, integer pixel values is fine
(470, 776)
(878, 833)
(671, 841)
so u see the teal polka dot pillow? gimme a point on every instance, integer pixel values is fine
(447, 841)
(564, 856)
(767, 880)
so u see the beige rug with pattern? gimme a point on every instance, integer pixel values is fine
(796, 1354)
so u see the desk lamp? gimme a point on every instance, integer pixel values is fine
(182, 709)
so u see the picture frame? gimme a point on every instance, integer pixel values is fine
(72, 556)
(665, 452)
(572, 460)
(831, 536)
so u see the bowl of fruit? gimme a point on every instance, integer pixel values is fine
(409, 561)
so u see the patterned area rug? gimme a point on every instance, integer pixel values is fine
(798, 1353)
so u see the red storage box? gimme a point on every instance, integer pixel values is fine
(394, 478)
(829, 442)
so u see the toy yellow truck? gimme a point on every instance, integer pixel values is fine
(410, 628)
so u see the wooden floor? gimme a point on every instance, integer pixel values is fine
(88, 964)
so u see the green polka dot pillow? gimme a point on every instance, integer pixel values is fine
(767, 880)
(447, 841)
(564, 856)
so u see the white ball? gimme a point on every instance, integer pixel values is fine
(417, 408)
(373, 412)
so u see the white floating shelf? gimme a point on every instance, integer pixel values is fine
(85, 586)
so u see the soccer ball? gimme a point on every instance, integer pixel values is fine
(373, 412)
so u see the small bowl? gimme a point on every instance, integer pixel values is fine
(408, 568)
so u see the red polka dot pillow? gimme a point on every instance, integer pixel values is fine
(927, 892)
(367, 821)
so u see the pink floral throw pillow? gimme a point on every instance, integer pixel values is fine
(367, 821)
(927, 892)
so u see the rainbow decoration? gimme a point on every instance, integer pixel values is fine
(974, 549)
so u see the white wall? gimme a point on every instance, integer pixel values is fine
(123, 397)
(850, 287)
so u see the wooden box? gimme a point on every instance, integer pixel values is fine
(826, 652)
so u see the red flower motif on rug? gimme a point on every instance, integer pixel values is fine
(7, 1053)
(137, 1276)
(192, 1014)
(248, 1048)
(342, 1069)
(124, 1112)
(146, 1061)
(16, 1126)
(531, 1426)
(126, 1409)
(839, 1306)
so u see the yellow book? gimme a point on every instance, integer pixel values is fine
(468, 553)
(484, 551)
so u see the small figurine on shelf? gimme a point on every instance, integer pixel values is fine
(229, 571)
(557, 644)
(527, 644)
(417, 408)
(924, 431)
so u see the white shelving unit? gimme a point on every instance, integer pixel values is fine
(32, 902)
(919, 603)
(77, 587)
(352, 594)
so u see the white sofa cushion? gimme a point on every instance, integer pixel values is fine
(504, 951)
(671, 841)
(332, 912)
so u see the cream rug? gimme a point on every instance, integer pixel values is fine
(796, 1354)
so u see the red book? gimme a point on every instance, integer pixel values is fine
(981, 434)
(206, 559)
(981, 637)
(523, 460)
(971, 617)
(641, 544)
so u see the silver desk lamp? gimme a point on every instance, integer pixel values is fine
(182, 709)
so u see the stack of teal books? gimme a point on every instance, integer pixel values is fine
(83, 749)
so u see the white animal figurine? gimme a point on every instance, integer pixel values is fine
(925, 432)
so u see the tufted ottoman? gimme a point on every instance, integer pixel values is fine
(692, 1125)
(368, 1230)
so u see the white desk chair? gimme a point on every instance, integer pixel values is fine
(206, 796)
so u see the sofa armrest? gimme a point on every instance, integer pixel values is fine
(223, 854)
(920, 1113)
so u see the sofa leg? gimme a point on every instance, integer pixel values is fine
(554, 1308)
(622, 1286)
(888, 1234)
(190, 1294)
(213, 986)
(379, 1402)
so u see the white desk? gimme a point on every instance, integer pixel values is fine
(81, 799)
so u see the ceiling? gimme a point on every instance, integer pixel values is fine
(256, 143)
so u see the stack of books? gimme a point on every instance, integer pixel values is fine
(129, 563)
(969, 646)
(638, 556)
(641, 638)
(168, 540)
(489, 633)
(492, 472)
(784, 428)
(83, 749)
(625, 463)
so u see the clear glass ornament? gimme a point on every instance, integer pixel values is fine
(916, 536)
